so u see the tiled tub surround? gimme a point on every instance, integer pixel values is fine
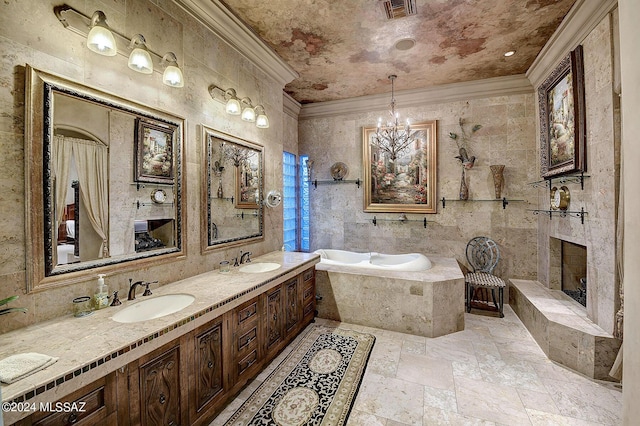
(428, 303)
(563, 330)
(91, 347)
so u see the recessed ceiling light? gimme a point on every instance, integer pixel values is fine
(509, 53)
(405, 44)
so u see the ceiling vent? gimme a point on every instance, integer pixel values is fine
(395, 9)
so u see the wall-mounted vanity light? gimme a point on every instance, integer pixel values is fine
(107, 42)
(242, 107)
(100, 38)
(140, 59)
(262, 121)
(233, 103)
(248, 113)
(172, 74)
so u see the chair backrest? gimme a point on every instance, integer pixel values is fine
(482, 254)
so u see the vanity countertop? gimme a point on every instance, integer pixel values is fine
(95, 345)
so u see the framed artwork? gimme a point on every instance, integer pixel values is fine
(401, 177)
(248, 180)
(562, 118)
(153, 152)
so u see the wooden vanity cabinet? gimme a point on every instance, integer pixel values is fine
(92, 405)
(189, 380)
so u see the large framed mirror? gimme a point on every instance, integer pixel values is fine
(104, 182)
(232, 190)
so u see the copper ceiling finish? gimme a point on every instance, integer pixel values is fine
(345, 48)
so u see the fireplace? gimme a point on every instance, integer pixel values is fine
(574, 271)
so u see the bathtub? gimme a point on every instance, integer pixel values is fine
(411, 262)
(408, 293)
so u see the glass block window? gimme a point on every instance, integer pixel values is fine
(304, 203)
(289, 201)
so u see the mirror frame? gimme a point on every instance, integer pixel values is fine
(39, 128)
(207, 191)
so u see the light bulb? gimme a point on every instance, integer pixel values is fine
(100, 39)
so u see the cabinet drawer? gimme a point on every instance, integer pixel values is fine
(308, 274)
(247, 361)
(307, 292)
(247, 339)
(88, 406)
(246, 313)
(309, 309)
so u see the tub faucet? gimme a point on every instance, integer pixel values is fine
(132, 289)
(242, 257)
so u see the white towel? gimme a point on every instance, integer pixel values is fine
(19, 366)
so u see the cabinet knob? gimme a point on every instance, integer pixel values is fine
(275, 317)
(210, 364)
(162, 398)
(73, 418)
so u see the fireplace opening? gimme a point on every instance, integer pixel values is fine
(574, 271)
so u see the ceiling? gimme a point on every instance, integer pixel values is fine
(346, 48)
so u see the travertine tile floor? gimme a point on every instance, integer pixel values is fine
(492, 373)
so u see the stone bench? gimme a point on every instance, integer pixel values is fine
(561, 327)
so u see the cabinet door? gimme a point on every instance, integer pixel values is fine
(292, 311)
(274, 318)
(308, 296)
(208, 365)
(160, 390)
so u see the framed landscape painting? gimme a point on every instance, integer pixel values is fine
(401, 178)
(153, 152)
(562, 118)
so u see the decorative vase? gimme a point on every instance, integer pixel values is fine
(498, 179)
(464, 189)
(220, 192)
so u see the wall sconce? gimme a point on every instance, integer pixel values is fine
(242, 107)
(107, 42)
(100, 38)
(172, 75)
(262, 121)
(233, 103)
(140, 59)
(248, 113)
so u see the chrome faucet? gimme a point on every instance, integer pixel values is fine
(242, 259)
(132, 289)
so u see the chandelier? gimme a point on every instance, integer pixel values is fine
(391, 138)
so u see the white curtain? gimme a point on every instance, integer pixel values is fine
(61, 154)
(91, 162)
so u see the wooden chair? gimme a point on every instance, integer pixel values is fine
(483, 255)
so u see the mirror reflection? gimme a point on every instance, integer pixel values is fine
(233, 186)
(111, 169)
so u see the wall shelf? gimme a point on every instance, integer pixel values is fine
(317, 182)
(571, 178)
(143, 185)
(139, 204)
(375, 221)
(563, 213)
(504, 201)
(223, 198)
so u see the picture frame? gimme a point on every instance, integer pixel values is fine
(561, 104)
(248, 179)
(406, 184)
(154, 152)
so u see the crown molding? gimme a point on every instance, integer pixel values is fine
(581, 19)
(219, 19)
(290, 106)
(497, 86)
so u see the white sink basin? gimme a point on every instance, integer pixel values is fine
(256, 268)
(154, 308)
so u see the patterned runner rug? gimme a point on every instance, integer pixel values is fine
(316, 384)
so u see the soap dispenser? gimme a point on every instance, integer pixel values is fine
(101, 298)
